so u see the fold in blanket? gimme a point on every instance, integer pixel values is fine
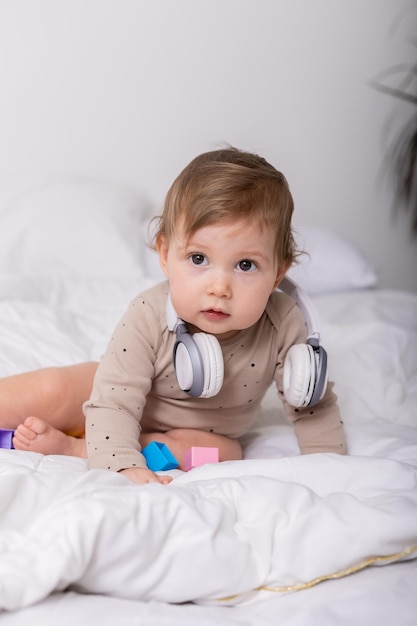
(222, 532)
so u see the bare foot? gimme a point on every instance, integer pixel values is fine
(36, 435)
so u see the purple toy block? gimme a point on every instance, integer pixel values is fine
(158, 457)
(199, 455)
(6, 437)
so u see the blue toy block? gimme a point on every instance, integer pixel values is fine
(6, 438)
(158, 457)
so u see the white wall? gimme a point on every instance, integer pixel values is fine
(133, 89)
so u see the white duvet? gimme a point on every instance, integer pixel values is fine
(228, 533)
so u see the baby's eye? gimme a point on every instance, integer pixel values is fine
(246, 265)
(198, 259)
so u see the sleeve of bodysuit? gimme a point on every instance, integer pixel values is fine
(121, 385)
(318, 428)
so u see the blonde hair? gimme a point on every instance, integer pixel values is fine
(230, 184)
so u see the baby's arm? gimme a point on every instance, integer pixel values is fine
(122, 383)
(319, 428)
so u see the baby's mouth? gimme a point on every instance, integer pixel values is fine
(215, 315)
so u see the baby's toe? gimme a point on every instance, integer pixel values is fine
(24, 434)
(35, 424)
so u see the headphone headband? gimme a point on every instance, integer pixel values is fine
(292, 289)
(173, 320)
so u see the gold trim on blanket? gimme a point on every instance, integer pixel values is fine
(373, 560)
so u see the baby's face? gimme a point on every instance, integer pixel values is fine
(222, 276)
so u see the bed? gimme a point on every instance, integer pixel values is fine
(276, 538)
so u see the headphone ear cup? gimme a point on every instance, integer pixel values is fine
(213, 365)
(320, 383)
(299, 375)
(188, 366)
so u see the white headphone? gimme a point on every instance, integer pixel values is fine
(199, 367)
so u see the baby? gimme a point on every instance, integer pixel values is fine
(225, 243)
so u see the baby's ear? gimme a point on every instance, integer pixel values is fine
(161, 245)
(283, 269)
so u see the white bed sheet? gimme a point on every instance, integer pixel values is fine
(78, 546)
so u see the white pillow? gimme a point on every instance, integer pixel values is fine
(330, 263)
(70, 226)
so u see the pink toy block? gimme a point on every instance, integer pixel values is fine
(199, 456)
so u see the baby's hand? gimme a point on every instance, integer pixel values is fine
(143, 475)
